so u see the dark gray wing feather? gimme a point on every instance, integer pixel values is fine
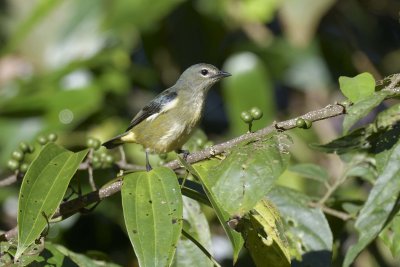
(153, 107)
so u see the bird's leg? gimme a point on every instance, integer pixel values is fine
(185, 153)
(148, 166)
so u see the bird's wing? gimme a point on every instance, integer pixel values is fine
(156, 106)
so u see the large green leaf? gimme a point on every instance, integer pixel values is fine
(380, 205)
(264, 236)
(358, 87)
(152, 206)
(362, 108)
(201, 170)
(59, 256)
(187, 253)
(306, 228)
(42, 190)
(246, 175)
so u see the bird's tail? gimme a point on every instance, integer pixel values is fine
(112, 143)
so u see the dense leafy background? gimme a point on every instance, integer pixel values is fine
(83, 68)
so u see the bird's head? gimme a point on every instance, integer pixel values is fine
(201, 77)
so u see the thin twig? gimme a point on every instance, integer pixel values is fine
(8, 180)
(90, 170)
(336, 213)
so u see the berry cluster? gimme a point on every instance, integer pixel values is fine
(100, 159)
(249, 116)
(18, 161)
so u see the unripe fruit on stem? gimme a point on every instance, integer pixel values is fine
(246, 117)
(303, 123)
(18, 155)
(93, 143)
(12, 164)
(24, 147)
(52, 137)
(24, 167)
(42, 140)
(300, 123)
(256, 113)
(308, 124)
(109, 159)
(163, 155)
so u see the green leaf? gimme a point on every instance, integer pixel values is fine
(246, 175)
(152, 206)
(388, 118)
(264, 236)
(187, 253)
(391, 237)
(42, 190)
(356, 140)
(306, 228)
(59, 256)
(200, 246)
(80, 259)
(379, 207)
(362, 108)
(358, 87)
(311, 171)
(201, 171)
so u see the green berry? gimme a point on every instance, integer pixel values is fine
(308, 124)
(109, 159)
(42, 140)
(18, 155)
(246, 117)
(95, 159)
(52, 137)
(256, 113)
(93, 143)
(31, 149)
(103, 156)
(163, 156)
(200, 142)
(12, 164)
(24, 167)
(96, 162)
(24, 147)
(301, 123)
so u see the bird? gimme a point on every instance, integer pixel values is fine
(168, 121)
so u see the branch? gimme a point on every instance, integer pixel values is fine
(76, 205)
(8, 180)
(336, 213)
(73, 206)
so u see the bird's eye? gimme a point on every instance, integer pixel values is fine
(204, 72)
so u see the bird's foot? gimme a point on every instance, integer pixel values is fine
(185, 153)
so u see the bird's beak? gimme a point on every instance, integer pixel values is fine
(222, 74)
